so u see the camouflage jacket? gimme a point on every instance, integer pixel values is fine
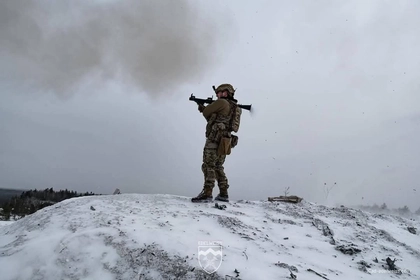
(218, 115)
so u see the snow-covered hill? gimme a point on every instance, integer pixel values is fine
(133, 236)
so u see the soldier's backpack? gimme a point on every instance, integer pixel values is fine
(235, 120)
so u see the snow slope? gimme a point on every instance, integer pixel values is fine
(134, 236)
(5, 223)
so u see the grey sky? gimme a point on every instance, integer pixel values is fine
(95, 96)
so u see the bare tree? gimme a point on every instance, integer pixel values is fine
(327, 189)
(286, 191)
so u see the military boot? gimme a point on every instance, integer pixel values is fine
(204, 196)
(223, 195)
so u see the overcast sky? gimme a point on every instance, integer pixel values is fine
(95, 96)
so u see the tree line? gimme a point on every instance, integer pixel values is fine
(383, 208)
(33, 200)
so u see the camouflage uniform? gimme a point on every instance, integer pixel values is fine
(218, 116)
(213, 169)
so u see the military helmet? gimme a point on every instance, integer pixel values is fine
(227, 87)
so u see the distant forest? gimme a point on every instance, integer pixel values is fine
(6, 194)
(30, 201)
(383, 209)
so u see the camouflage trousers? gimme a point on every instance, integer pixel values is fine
(213, 169)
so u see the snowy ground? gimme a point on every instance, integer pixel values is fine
(5, 223)
(135, 236)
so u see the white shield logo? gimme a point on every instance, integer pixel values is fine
(210, 255)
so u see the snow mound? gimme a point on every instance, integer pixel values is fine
(133, 236)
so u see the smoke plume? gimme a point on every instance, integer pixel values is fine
(59, 45)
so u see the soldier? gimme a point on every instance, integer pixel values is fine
(223, 117)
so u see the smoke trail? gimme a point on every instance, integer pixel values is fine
(58, 45)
